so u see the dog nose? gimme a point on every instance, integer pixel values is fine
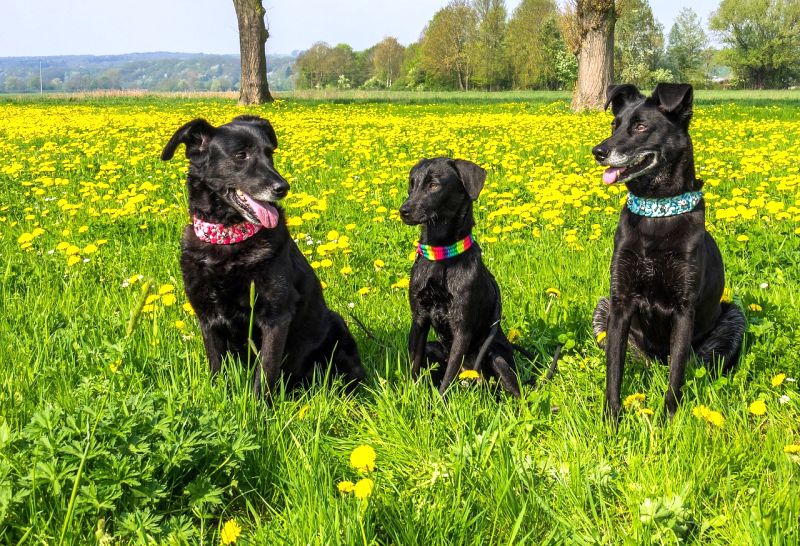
(280, 188)
(405, 210)
(600, 152)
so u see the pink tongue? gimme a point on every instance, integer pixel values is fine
(611, 174)
(267, 214)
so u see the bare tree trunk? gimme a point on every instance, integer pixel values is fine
(253, 34)
(595, 19)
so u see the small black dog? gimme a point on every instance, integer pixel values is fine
(667, 276)
(238, 236)
(451, 289)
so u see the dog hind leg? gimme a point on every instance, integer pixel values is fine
(505, 372)
(724, 343)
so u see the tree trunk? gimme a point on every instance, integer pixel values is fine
(595, 56)
(253, 34)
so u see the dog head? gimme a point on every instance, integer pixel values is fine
(649, 137)
(231, 166)
(439, 189)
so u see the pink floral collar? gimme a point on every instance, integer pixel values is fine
(220, 234)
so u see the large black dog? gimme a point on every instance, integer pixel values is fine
(238, 236)
(451, 289)
(667, 276)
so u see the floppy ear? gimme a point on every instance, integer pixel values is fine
(620, 95)
(472, 176)
(262, 124)
(675, 98)
(194, 134)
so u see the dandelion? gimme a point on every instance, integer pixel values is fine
(166, 289)
(401, 283)
(792, 449)
(709, 416)
(601, 336)
(553, 292)
(727, 296)
(114, 366)
(346, 270)
(168, 300)
(363, 488)
(777, 380)
(758, 407)
(755, 307)
(469, 374)
(230, 532)
(378, 264)
(513, 335)
(72, 260)
(90, 249)
(301, 414)
(364, 291)
(187, 307)
(633, 400)
(180, 325)
(363, 458)
(743, 238)
(345, 486)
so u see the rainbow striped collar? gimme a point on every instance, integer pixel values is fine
(437, 253)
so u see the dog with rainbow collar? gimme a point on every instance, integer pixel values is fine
(667, 276)
(451, 290)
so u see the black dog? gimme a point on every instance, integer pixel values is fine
(667, 276)
(456, 295)
(238, 236)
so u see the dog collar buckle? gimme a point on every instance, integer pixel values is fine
(220, 234)
(664, 206)
(436, 253)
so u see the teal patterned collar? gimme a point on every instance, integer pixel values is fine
(664, 206)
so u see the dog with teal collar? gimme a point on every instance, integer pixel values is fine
(667, 275)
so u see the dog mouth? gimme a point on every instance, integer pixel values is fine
(640, 164)
(257, 212)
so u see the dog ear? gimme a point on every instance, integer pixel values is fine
(472, 176)
(262, 124)
(675, 98)
(194, 134)
(620, 95)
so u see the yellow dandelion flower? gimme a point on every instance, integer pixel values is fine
(363, 488)
(709, 416)
(513, 335)
(180, 325)
(72, 260)
(166, 289)
(777, 380)
(230, 532)
(187, 307)
(757, 408)
(90, 249)
(364, 291)
(363, 458)
(378, 264)
(468, 374)
(755, 307)
(632, 400)
(402, 283)
(727, 296)
(601, 336)
(553, 292)
(302, 412)
(794, 449)
(168, 300)
(332, 235)
(743, 238)
(345, 486)
(346, 270)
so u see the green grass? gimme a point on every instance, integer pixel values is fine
(113, 432)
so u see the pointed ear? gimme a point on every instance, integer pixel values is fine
(674, 98)
(620, 95)
(194, 134)
(472, 176)
(262, 124)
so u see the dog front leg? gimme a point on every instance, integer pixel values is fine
(417, 339)
(680, 349)
(215, 344)
(619, 323)
(273, 343)
(458, 350)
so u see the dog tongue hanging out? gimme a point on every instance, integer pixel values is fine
(238, 239)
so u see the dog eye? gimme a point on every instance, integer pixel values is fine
(434, 186)
(614, 124)
(640, 127)
(241, 154)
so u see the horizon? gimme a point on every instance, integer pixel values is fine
(211, 29)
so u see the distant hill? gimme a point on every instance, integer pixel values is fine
(160, 71)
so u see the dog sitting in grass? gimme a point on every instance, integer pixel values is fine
(451, 289)
(238, 239)
(667, 276)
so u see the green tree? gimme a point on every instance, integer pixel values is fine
(688, 46)
(639, 43)
(312, 66)
(488, 51)
(535, 46)
(387, 60)
(447, 42)
(763, 39)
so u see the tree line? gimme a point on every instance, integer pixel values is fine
(478, 44)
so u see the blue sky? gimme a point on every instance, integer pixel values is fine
(97, 27)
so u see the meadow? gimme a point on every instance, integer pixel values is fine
(111, 431)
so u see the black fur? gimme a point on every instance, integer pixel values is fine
(293, 328)
(667, 275)
(458, 296)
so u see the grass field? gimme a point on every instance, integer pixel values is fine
(112, 432)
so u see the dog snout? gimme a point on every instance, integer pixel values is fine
(280, 188)
(405, 211)
(600, 152)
